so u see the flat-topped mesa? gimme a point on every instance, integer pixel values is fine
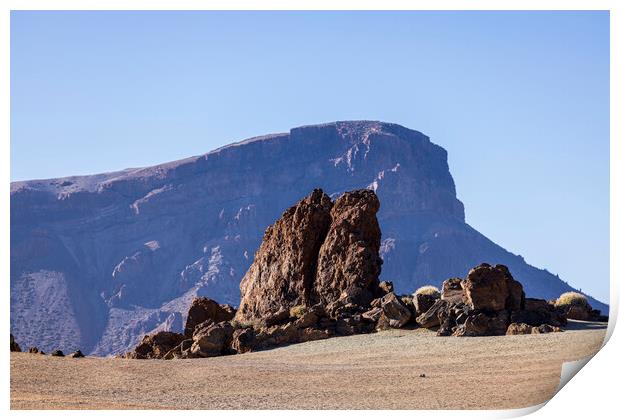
(284, 266)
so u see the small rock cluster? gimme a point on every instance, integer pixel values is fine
(489, 301)
(34, 350)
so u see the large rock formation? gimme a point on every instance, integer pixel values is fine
(349, 263)
(98, 261)
(318, 252)
(284, 269)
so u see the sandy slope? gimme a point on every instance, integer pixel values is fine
(374, 371)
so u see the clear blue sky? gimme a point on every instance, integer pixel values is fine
(519, 99)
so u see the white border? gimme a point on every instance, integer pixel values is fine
(579, 399)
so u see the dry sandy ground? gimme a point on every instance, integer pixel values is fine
(374, 371)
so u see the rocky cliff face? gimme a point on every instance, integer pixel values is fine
(99, 261)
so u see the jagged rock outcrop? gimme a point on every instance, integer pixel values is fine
(98, 261)
(348, 264)
(284, 269)
(204, 309)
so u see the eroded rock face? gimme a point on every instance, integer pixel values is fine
(204, 309)
(348, 260)
(284, 268)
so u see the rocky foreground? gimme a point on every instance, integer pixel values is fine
(316, 275)
(365, 371)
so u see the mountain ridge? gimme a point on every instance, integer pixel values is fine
(123, 253)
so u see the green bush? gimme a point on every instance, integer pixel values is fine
(571, 298)
(428, 290)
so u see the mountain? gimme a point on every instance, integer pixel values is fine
(98, 261)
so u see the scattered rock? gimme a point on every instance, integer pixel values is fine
(34, 350)
(14, 345)
(394, 313)
(518, 329)
(423, 303)
(243, 340)
(430, 318)
(544, 328)
(492, 288)
(204, 309)
(77, 354)
(372, 315)
(213, 340)
(156, 346)
(452, 291)
(386, 287)
(58, 353)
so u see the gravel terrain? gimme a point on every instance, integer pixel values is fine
(373, 371)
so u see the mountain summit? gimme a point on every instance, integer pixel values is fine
(98, 261)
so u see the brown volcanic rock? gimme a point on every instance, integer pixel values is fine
(430, 318)
(518, 328)
(349, 264)
(394, 313)
(284, 267)
(492, 288)
(14, 345)
(204, 309)
(213, 339)
(537, 312)
(452, 291)
(156, 346)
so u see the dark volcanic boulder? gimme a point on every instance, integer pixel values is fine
(492, 288)
(243, 340)
(204, 309)
(537, 312)
(284, 267)
(452, 291)
(77, 354)
(14, 345)
(518, 328)
(544, 329)
(213, 339)
(394, 314)
(156, 346)
(348, 261)
(34, 350)
(424, 298)
(58, 353)
(430, 318)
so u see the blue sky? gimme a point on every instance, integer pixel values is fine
(519, 99)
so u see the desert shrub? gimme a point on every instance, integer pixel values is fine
(571, 298)
(297, 311)
(428, 290)
(236, 324)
